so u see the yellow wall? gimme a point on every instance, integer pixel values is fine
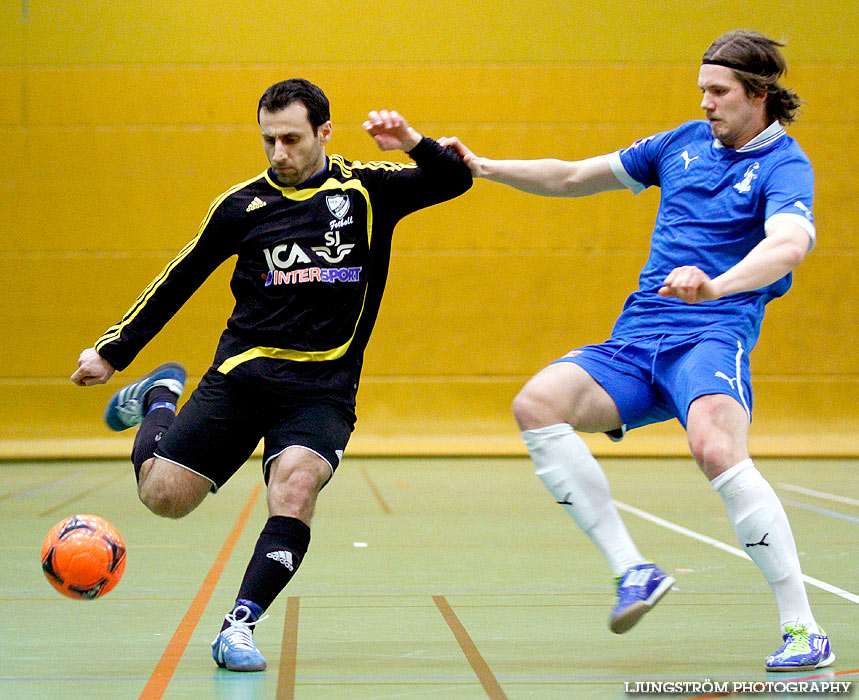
(120, 122)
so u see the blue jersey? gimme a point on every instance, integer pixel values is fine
(716, 205)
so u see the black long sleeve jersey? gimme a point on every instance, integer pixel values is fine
(311, 270)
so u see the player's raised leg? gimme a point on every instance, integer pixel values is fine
(558, 399)
(150, 402)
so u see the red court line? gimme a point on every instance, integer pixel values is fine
(166, 667)
(481, 668)
(780, 680)
(288, 651)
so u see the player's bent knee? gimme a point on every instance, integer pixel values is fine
(295, 480)
(171, 491)
(717, 432)
(302, 481)
(532, 408)
(163, 504)
(715, 453)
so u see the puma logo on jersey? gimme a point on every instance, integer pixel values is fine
(687, 159)
(728, 379)
(804, 209)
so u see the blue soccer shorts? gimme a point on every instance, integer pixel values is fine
(656, 378)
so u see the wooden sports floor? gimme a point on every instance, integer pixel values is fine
(450, 579)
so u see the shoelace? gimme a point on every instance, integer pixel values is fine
(239, 631)
(798, 639)
(239, 637)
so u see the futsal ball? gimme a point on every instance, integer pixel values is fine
(83, 557)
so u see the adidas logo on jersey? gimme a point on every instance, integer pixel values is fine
(256, 204)
(284, 558)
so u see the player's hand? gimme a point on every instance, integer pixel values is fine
(391, 131)
(92, 369)
(689, 284)
(472, 161)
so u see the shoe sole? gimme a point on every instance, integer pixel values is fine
(239, 669)
(249, 669)
(630, 617)
(828, 661)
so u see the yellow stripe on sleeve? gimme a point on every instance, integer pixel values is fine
(115, 331)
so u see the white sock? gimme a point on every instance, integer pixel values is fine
(762, 528)
(567, 468)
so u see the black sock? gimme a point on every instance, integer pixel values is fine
(159, 410)
(159, 394)
(278, 553)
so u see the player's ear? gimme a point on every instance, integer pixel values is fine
(759, 98)
(325, 132)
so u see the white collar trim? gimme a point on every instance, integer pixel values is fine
(768, 136)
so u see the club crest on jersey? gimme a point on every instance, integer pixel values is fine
(745, 185)
(338, 204)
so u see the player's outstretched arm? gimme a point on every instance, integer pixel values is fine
(548, 177)
(92, 369)
(391, 131)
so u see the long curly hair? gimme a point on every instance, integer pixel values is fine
(758, 64)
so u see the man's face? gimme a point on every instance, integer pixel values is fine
(294, 151)
(735, 117)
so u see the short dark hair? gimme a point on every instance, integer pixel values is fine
(280, 95)
(758, 64)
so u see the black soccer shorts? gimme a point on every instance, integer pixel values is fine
(223, 421)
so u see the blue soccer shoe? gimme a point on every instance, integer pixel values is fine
(801, 651)
(234, 648)
(638, 590)
(125, 408)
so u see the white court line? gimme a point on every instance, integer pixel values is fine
(822, 511)
(819, 494)
(847, 595)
